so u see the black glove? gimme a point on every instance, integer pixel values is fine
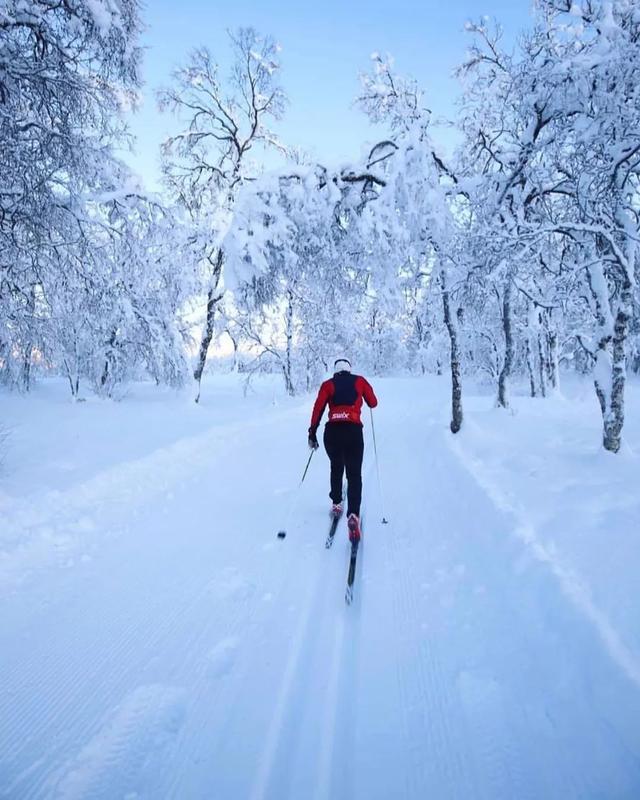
(313, 439)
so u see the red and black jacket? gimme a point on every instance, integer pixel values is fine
(344, 394)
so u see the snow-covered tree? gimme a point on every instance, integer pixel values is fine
(413, 223)
(67, 69)
(206, 164)
(288, 231)
(596, 78)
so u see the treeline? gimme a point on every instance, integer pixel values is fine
(513, 257)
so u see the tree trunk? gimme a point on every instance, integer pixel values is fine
(610, 367)
(213, 298)
(70, 378)
(308, 373)
(289, 334)
(613, 418)
(553, 374)
(374, 336)
(288, 385)
(612, 401)
(109, 359)
(543, 366)
(28, 351)
(503, 398)
(26, 368)
(234, 342)
(73, 375)
(456, 382)
(235, 356)
(532, 379)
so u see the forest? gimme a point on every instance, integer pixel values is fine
(511, 258)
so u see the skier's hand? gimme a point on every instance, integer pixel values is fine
(313, 439)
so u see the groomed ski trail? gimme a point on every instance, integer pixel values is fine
(194, 655)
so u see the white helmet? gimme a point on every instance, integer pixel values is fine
(342, 365)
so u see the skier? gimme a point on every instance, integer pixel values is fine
(343, 438)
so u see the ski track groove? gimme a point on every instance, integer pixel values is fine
(285, 711)
(283, 753)
(339, 724)
(327, 752)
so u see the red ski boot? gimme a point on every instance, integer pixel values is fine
(336, 510)
(353, 524)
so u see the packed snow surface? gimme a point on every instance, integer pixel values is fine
(158, 640)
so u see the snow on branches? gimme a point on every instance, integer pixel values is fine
(509, 259)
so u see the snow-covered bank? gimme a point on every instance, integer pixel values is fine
(576, 507)
(159, 641)
(54, 442)
(69, 467)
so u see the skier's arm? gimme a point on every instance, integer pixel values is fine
(319, 406)
(368, 394)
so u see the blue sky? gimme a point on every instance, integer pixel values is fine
(324, 47)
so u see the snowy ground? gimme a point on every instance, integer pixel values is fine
(158, 641)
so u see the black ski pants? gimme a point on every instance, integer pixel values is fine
(344, 444)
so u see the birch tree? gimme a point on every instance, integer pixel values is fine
(205, 165)
(67, 72)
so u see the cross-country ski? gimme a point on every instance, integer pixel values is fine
(351, 575)
(333, 527)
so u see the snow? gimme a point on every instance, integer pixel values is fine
(268, 64)
(574, 506)
(159, 641)
(104, 14)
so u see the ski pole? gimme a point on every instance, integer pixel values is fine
(385, 521)
(294, 500)
(304, 474)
